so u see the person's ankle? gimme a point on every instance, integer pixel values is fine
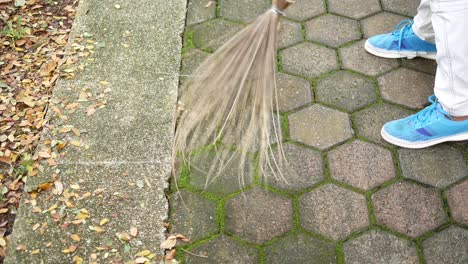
(459, 118)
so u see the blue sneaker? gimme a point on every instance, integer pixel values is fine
(401, 43)
(430, 126)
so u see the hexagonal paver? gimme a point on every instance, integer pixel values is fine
(304, 169)
(243, 10)
(290, 33)
(346, 91)
(213, 33)
(190, 62)
(300, 248)
(381, 23)
(406, 87)
(356, 58)
(258, 215)
(293, 92)
(319, 60)
(361, 164)
(333, 211)
(354, 8)
(304, 10)
(193, 216)
(369, 121)
(438, 166)
(380, 247)
(404, 7)
(409, 208)
(319, 126)
(224, 184)
(199, 11)
(222, 250)
(449, 247)
(457, 199)
(421, 64)
(344, 30)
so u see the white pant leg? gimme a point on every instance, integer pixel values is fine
(450, 22)
(422, 26)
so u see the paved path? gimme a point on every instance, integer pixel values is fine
(114, 174)
(355, 198)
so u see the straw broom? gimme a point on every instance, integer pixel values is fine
(231, 97)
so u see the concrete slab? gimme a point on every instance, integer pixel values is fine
(121, 169)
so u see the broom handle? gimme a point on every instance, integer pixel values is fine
(281, 5)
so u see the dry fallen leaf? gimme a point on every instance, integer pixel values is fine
(133, 231)
(75, 237)
(209, 4)
(171, 255)
(103, 221)
(169, 243)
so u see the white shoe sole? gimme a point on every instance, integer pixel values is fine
(398, 54)
(418, 145)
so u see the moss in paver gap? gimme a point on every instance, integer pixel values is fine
(300, 248)
(346, 91)
(378, 247)
(367, 119)
(190, 62)
(211, 34)
(406, 87)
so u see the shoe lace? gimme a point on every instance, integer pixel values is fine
(424, 115)
(401, 29)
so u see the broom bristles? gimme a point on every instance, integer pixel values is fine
(231, 98)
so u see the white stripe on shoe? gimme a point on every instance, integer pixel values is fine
(421, 144)
(398, 54)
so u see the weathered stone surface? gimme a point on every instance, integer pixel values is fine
(361, 164)
(405, 7)
(438, 166)
(300, 248)
(197, 11)
(449, 247)
(258, 215)
(290, 33)
(190, 62)
(319, 60)
(333, 211)
(457, 198)
(192, 215)
(130, 166)
(213, 33)
(304, 169)
(406, 87)
(369, 121)
(223, 250)
(344, 30)
(354, 8)
(409, 208)
(425, 65)
(356, 58)
(243, 10)
(293, 92)
(376, 247)
(305, 10)
(346, 91)
(224, 184)
(381, 23)
(320, 127)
